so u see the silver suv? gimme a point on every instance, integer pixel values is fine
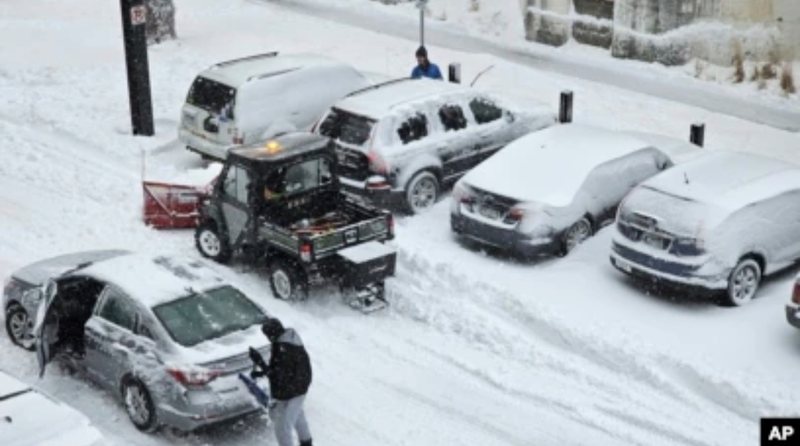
(168, 336)
(401, 142)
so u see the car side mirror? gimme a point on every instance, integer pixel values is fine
(510, 117)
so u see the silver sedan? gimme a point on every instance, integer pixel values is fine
(167, 335)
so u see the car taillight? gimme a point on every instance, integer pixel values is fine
(463, 195)
(306, 252)
(796, 293)
(193, 376)
(376, 163)
(514, 215)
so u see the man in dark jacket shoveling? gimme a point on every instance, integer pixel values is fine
(289, 374)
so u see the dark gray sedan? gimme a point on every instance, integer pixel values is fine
(167, 335)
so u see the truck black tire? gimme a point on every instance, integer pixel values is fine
(422, 191)
(287, 281)
(211, 243)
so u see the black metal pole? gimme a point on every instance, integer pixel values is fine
(454, 73)
(565, 107)
(697, 134)
(134, 16)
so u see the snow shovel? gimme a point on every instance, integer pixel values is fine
(258, 393)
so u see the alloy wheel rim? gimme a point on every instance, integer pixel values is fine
(283, 286)
(20, 325)
(745, 282)
(578, 233)
(210, 243)
(423, 194)
(136, 404)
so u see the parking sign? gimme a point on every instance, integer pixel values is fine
(138, 15)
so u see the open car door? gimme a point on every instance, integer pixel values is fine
(46, 328)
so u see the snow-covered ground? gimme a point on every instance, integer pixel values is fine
(474, 349)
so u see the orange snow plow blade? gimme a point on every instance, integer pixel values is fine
(171, 206)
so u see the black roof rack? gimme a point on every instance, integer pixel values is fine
(242, 59)
(379, 85)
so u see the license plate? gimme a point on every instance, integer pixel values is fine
(623, 265)
(492, 213)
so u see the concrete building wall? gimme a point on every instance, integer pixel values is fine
(671, 31)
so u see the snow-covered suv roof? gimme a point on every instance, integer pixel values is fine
(377, 101)
(728, 179)
(152, 280)
(239, 71)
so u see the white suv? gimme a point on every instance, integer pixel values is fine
(400, 142)
(246, 100)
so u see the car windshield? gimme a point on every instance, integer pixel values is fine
(208, 315)
(346, 127)
(212, 96)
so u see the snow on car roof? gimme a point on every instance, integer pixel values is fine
(155, 279)
(237, 72)
(550, 165)
(728, 179)
(39, 272)
(377, 101)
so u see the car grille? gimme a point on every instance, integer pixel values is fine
(352, 163)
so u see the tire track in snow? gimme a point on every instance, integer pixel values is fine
(611, 362)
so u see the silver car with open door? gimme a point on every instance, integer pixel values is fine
(167, 335)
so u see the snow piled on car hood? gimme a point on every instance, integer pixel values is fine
(549, 166)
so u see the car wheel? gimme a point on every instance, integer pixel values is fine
(139, 405)
(211, 244)
(575, 235)
(743, 282)
(287, 281)
(19, 327)
(422, 191)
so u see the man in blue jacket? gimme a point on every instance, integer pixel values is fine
(424, 66)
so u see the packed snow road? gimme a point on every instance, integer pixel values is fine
(474, 349)
(362, 14)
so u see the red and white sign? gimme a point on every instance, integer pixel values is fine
(138, 15)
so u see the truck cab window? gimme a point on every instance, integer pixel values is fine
(413, 129)
(236, 184)
(297, 178)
